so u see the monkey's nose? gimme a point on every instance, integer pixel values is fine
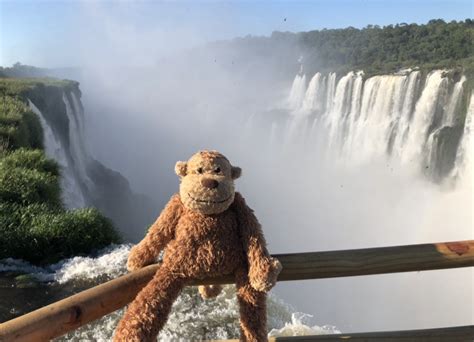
(209, 183)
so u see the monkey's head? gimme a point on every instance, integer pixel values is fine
(207, 182)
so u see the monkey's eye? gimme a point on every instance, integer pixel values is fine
(217, 170)
(199, 170)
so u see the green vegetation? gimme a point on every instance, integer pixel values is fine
(33, 223)
(384, 49)
(40, 233)
(16, 87)
(19, 127)
(26, 185)
(375, 50)
(381, 50)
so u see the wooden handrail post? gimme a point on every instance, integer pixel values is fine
(68, 314)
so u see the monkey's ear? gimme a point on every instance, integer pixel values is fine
(236, 172)
(181, 168)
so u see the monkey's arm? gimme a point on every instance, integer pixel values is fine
(263, 269)
(159, 234)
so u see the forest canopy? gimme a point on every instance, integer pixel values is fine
(432, 45)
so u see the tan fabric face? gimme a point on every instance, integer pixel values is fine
(203, 168)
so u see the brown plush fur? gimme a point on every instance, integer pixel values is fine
(208, 230)
(209, 291)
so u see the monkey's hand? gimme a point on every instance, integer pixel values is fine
(137, 258)
(263, 275)
(159, 235)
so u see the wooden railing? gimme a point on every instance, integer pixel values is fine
(68, 314)
(453, 334)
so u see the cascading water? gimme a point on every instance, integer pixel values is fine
(312, 99)
(380, 116)
(412, 84)
(70, 151)
(72, 194)
(79, 155)
(423, 117)
(450, 117)
(297, 91)
(78, 108)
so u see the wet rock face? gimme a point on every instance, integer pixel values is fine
(445, 145)
(131, 213)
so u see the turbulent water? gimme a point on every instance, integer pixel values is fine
(191, 315)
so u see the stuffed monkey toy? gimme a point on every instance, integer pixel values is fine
(208, 230)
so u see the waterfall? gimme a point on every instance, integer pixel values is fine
(77, 148)
(298, 91)
(450, 118)
(86, 182)
(390, 116)
(406, 111)
(465, 154)
(423, 116)
(312, 99)
(331, 86)
(69, 151)
(72, 195)
(79, 115)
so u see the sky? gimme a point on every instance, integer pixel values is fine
(74, 33)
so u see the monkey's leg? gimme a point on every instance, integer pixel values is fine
(148, 313)
(253, 305)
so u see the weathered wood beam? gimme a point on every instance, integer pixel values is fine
(459, 334)
(68, 314)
